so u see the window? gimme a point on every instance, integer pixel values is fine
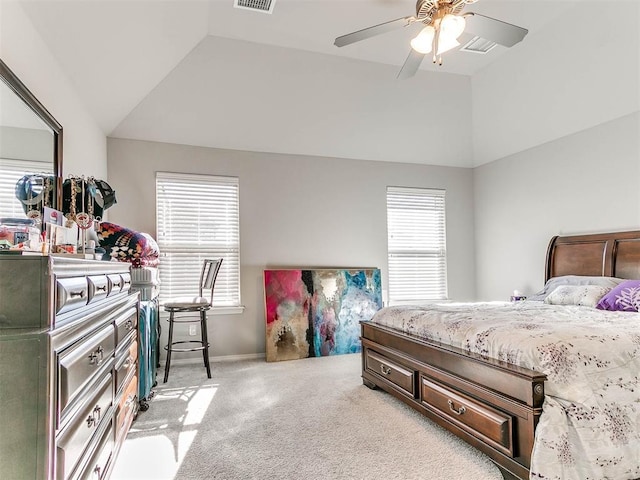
(198, 217)
(416, 245)
(10, 172)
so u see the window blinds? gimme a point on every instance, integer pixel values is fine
(198, 217)
(10, 172)
(416, 245)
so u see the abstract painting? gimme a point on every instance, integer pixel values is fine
(317, 313)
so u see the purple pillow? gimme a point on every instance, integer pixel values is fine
(623, 298)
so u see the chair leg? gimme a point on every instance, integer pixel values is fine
(167, 365)
(205, 342)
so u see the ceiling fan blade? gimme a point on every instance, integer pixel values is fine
(411, 65)
(495, 30)
(369, 32)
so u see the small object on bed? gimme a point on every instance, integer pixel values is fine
(517, 296)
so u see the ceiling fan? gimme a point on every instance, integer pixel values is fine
(444, 22)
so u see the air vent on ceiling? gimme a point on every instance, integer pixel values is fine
(265, 6)
(478, 45)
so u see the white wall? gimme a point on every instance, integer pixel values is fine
(294, 211)
(583, 69)
(556, 129)
(245, 96)
(24, 52)
(26, 144)
(588, 182)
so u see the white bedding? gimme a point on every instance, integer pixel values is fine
(590, 425)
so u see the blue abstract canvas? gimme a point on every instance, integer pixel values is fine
(316, 313)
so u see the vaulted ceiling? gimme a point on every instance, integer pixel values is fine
(205, 73)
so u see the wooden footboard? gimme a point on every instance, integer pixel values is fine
(490, 404)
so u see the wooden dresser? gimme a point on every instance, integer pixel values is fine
(68, 366)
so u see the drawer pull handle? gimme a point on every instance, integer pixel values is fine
(96, 472)
(128, 362)
(96, 412)
(129, 324)
(79, 293)
(102, 288)
(459, 411)
(96, 358)
(385, 370)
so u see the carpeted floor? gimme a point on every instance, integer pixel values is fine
(301, 419)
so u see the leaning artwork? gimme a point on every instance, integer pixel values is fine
(316, 313)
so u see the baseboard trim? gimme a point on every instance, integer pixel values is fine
(223, 358)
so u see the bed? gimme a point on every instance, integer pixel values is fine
(557, 409)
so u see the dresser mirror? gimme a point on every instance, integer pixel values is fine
(30, 143)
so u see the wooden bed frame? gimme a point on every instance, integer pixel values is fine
(492, 405)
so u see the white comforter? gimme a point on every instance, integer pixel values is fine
(590, 426)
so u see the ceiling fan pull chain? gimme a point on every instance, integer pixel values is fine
(434, 45)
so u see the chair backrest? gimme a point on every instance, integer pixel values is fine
(210, 269)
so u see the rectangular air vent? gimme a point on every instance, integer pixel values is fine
(265, 6)
(478, 45)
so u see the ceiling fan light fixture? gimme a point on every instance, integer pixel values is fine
(446, 43)
(423, 42)
(452, 26)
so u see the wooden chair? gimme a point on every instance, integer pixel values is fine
(191, 305)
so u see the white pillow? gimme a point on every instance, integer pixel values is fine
(556, 282)
(583, 295)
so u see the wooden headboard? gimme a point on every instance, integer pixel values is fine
(602, 254)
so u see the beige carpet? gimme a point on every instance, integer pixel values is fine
(301, 419)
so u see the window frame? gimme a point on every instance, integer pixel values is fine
(178, 250)
(416, 243)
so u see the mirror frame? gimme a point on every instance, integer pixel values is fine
(19, 88)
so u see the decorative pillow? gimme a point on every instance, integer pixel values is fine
(625, 297)
(556, 282)
(583, 295)
(126, 245)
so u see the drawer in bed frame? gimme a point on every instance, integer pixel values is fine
(398, 376)
(491, 405)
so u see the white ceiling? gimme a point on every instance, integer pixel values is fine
(116, 52)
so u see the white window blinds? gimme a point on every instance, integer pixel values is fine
(10, 172)
(416, 245)
(198, 217)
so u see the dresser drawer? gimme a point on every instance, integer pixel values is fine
(75, 438)
(125, 323)
(125, 364)
(494, 426)
(78, 363)
(97, 466)
(400, 376)
(126, 408)
(98, 287)
(115, 283)
(71, 293)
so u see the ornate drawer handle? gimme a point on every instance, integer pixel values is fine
(96, 472)
(94, 418)
(128, 362)
(130, 399)
(96, 358)
(79, 293)
(459, 411)
(129, 324)
(385, 370)
(102, 288)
